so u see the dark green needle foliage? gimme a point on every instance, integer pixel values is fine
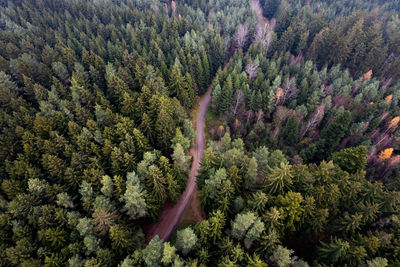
(301, 165)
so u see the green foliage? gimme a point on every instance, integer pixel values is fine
(134, 197)
(291, 131)
(86, 105)
(248, 227)
(351, 159)
(152, 254)
(279, 178)
(169, 254)
(335, 251)
(282, 256)
(186, 240)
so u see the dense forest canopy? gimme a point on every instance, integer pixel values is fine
(97, 101)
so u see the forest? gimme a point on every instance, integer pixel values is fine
(99, 101)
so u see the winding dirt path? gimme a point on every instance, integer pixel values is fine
(171, 216)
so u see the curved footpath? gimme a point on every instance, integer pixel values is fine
(171, 216)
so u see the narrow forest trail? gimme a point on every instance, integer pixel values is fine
(170, 216)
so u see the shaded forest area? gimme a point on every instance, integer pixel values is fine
(95, 98)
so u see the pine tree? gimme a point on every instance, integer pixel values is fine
(226, 95)
(169, 254)
(180, 158)
(206, 68)
(116, 89)
(215, 98)
(146, 127)
(153, 252)
(128, 105)
(134, 198)
(251, 175)
(178, 86)
(165, 129)
(279, 178)
(186, 240)
(121, 237)
(351, 159)
(335, 251)
(291, 131)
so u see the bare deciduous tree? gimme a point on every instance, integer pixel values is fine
(383, 116)
(166, 8)
(249, 115)
(315, 119)
(240, 35)
(173, 7)
(383, 140)
(263, 35)
(252, 70)
(281, 114)
(155, 8)
(272, 24)
(238, 101)
(256, 7)
(259, 115)
(288, 91)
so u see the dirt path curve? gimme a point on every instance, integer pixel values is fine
(171, 216)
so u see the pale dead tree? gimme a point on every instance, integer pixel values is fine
(384, 116)
(252, 70)
(375, 133)
(298, 58)
(314, 121)
(371, 155)
(383, 140)
(386, 82)
(275, 133)
(393, 124)
(240, 35)
(173, 6)
(256, 7)
(390, 60)
(288, 91)
(272, 24)
(249, 115)
(259, 115)
(280, 115)
(155, 9)
(263, 35)
(166, 8)
(238, 101)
